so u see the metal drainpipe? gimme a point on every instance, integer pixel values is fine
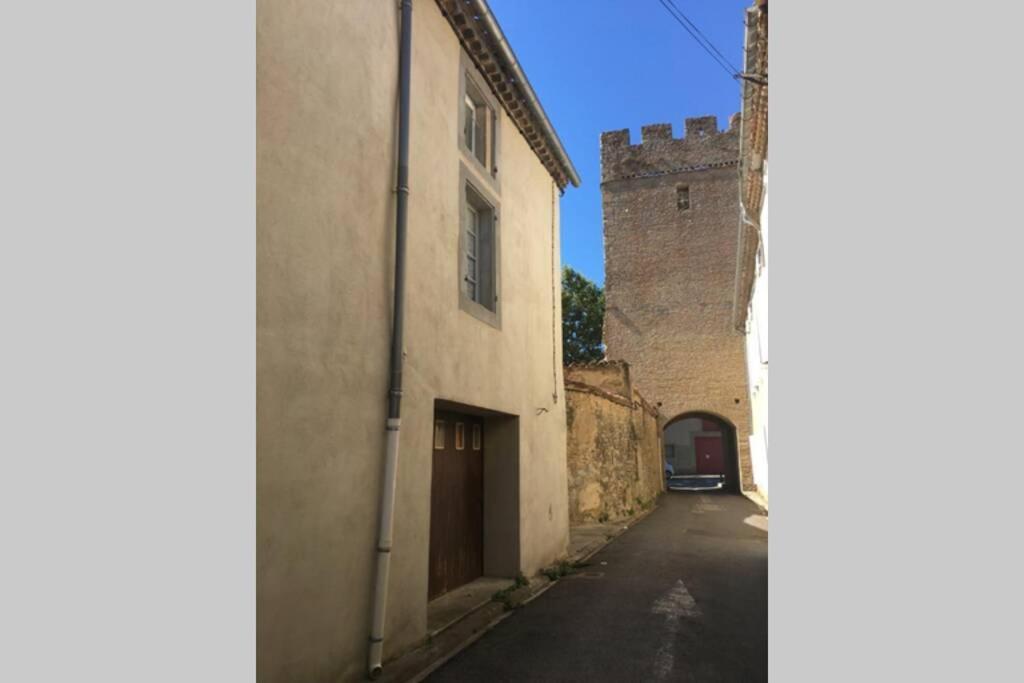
(387, 504)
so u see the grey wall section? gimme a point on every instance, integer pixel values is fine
(669, 273)
(326, 114)
(614, 449)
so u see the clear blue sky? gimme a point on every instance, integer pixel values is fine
(602, 65)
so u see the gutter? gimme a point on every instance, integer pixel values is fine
(524, 85)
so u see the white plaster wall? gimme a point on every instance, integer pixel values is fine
(757, 360)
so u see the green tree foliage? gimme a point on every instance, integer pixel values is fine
(582, 318)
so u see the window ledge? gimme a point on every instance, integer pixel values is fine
(479, 311)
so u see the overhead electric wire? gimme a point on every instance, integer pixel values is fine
(701, 39)
(698, 36)
(701, 34)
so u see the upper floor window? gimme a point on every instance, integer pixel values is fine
(478, 271)
(479, 202)
(479, 123)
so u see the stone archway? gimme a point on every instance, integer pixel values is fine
(702, 445)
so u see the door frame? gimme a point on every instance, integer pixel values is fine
(501, 499)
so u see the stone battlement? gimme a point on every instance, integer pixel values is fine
(659, 152)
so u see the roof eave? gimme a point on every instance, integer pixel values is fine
(491, 42)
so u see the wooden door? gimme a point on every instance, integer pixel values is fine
(710, 454)
(456, 502)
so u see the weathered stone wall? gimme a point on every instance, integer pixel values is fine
(614, 444)
(670, 271)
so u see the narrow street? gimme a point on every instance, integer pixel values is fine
(682, 596)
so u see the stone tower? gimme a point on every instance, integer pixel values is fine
(671, 215)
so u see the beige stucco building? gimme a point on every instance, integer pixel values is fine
(482, 338)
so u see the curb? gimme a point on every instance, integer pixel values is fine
(395, 668)
(398, 672)
(621, 527)
(757, 500)
(444, 659)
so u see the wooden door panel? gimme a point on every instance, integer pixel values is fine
(710, 454)
(456, 508)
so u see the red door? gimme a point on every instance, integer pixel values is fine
(710, 454)
(456, 502)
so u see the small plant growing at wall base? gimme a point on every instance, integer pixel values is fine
(505, 595)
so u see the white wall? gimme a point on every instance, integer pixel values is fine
(757, 358)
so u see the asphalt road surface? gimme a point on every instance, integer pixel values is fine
(682, 596)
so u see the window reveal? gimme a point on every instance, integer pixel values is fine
(683, 197)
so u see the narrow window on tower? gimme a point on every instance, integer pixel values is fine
(683, 197)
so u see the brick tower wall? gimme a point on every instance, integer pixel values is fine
(669, 271)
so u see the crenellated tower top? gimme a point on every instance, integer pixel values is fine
(658, 153)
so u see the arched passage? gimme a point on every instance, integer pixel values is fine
(701, 446)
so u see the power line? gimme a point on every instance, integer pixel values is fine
(699, 37)
(706, 39)
(709, 47)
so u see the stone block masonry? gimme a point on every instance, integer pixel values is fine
(613, 444)
(671, 212)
